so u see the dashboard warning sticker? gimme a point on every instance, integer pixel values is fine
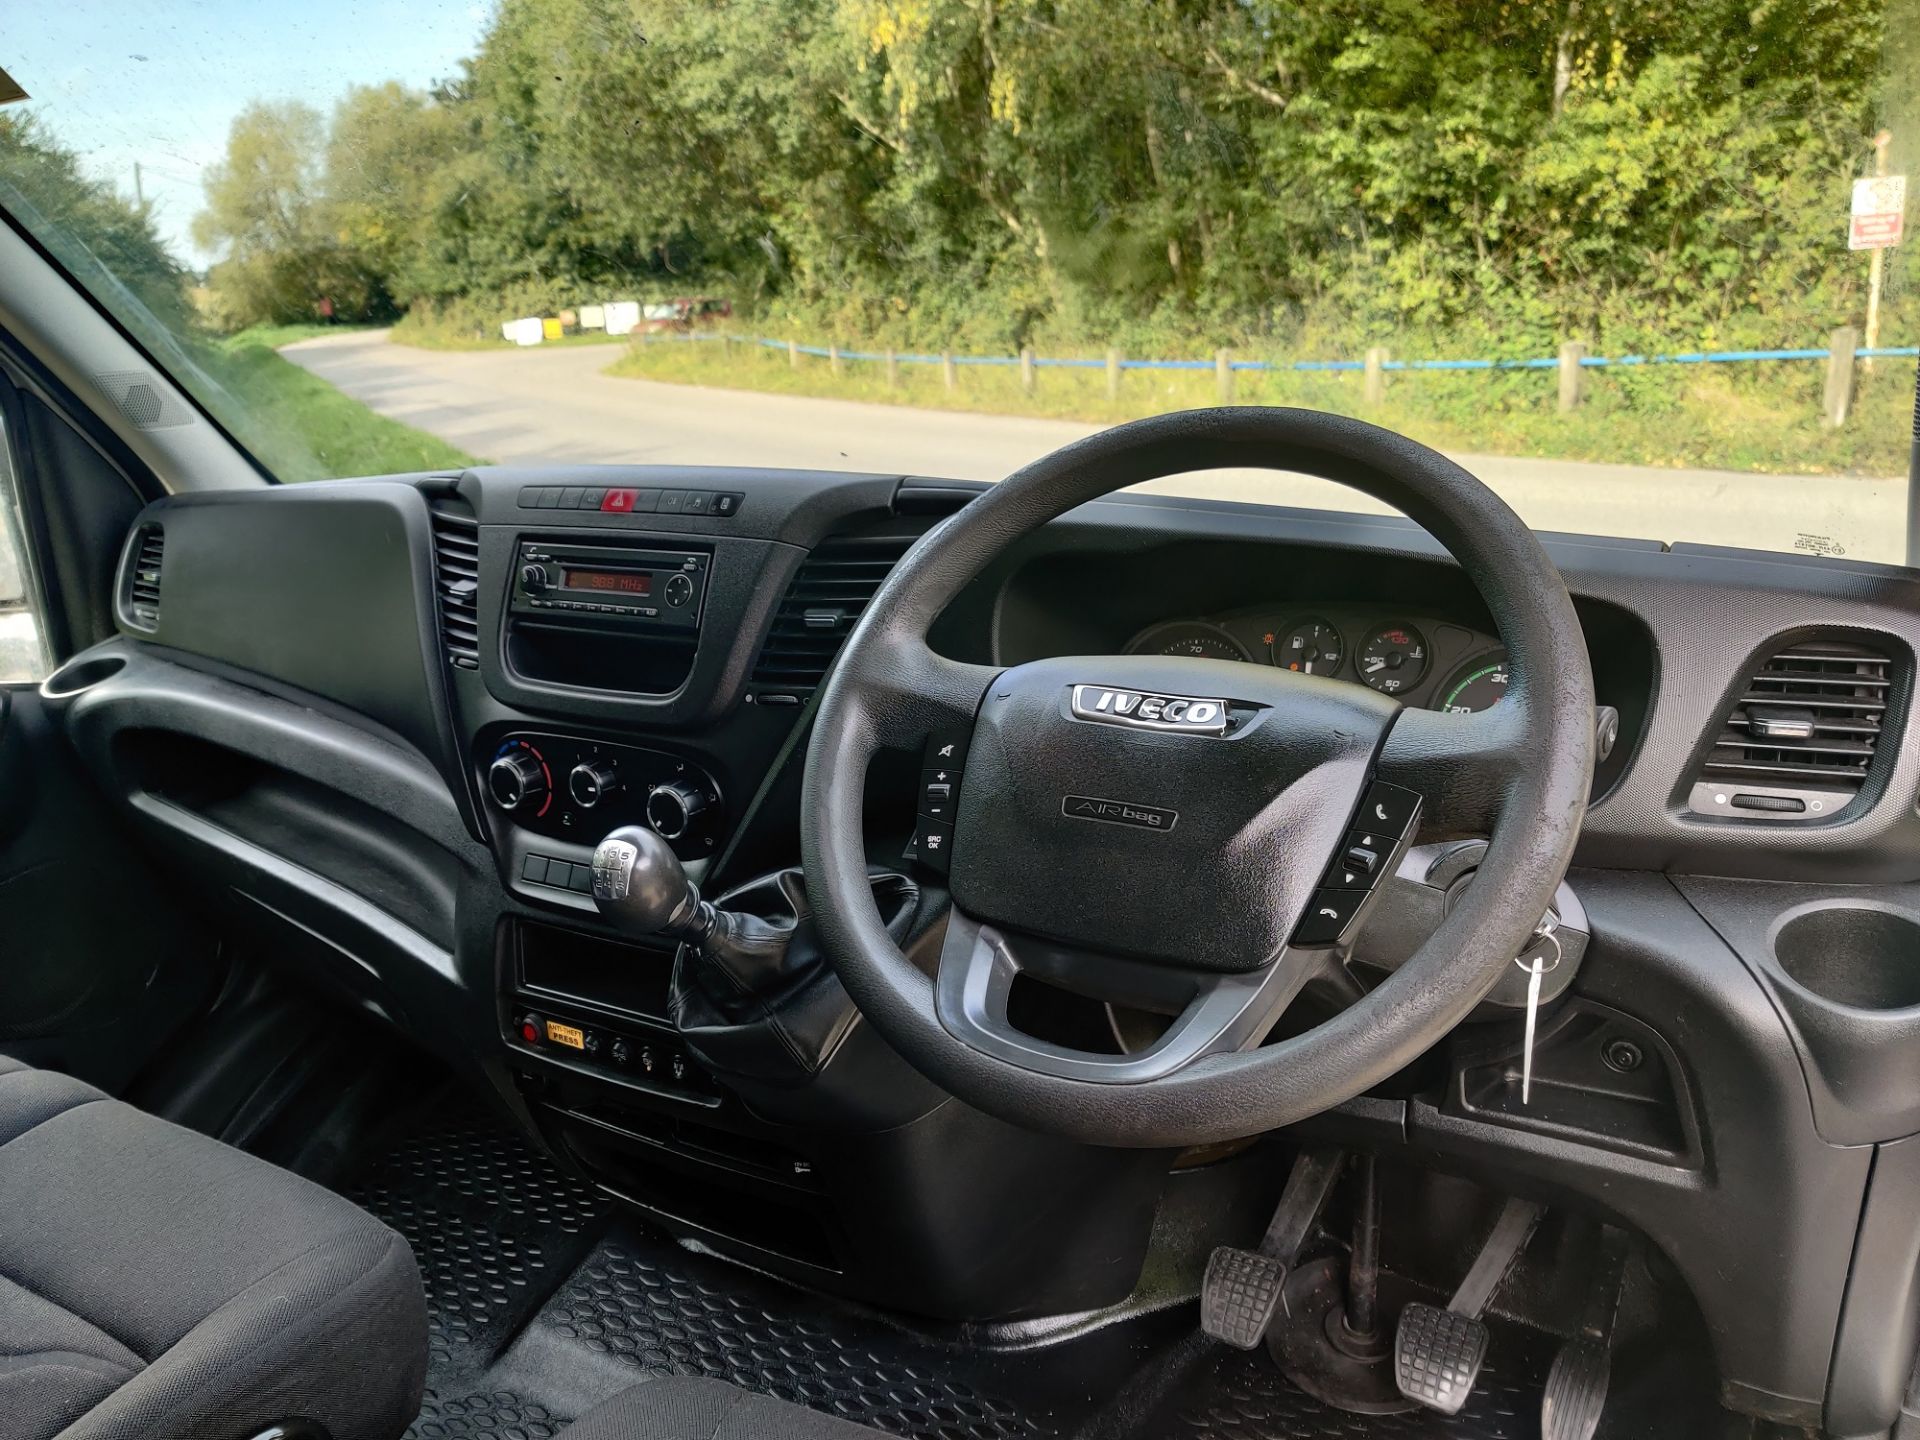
(566, 1035)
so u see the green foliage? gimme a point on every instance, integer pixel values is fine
(1447, 176)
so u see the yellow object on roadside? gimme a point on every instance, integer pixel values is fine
(550, 328)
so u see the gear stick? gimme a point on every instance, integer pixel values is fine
(640, 886)
(752, 994)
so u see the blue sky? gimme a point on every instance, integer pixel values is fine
(159, 81)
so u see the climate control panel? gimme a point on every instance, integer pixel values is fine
(575, 789)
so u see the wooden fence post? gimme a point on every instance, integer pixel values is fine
(1026, 368)
(793, 354)
(833, 358)
(1375, 389)
(1223, 376)
(1573, 376)
(726, 348)
(949, 372)
(1113, 373)
(893, 370)
(1839, 397)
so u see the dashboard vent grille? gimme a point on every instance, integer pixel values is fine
(831, 588)
(143, 582)
(456, 576)
(1811, 715)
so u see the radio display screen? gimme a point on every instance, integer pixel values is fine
(627, 582)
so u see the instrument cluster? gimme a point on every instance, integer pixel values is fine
(1420, 661)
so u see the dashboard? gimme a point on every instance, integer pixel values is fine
(381, 724)
(1420, 660)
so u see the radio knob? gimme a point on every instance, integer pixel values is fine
(590, 782)
(679, 590)
(534, 577)
(516, 779)
(671, 809)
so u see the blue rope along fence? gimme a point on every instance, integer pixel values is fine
(1589, 362)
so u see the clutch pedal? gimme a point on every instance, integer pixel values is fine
(1240, 1295)
(1242, 1290)
(1437, 1354)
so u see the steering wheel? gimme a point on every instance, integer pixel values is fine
(1186, 843)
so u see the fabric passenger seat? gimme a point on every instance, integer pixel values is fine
(156, 1284)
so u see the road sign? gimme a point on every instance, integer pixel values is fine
(1879, 212)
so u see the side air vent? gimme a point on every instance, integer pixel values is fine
(456, 581)
(831, 588)
(143, 578)
(1802, 736)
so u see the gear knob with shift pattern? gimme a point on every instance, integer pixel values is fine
(640, 886)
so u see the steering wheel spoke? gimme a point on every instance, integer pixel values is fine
(1212, 1013)
(1463, 766)
(909, 692)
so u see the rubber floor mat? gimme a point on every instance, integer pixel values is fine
(495, 1227)
(1241, 1395)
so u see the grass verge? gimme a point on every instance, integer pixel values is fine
(1762, 417)
(302, 428)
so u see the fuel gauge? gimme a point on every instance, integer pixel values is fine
(1312, 647)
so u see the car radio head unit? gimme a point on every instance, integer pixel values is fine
(654, 589)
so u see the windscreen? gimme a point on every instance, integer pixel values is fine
(1643, 267)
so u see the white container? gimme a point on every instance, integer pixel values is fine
(622, 316)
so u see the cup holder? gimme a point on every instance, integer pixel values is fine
(1854, 955)
(77, 675)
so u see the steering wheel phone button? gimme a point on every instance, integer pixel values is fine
(1328, 915)
(1388, 808)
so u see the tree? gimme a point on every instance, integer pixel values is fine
(267, 210)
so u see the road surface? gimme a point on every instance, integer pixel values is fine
(544, 405)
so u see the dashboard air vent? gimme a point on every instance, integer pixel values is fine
(1811, 716)
(143, 579)
(456, 581)
(831, 588)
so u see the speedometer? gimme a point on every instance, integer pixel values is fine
(1478, 685)
(1188, 637)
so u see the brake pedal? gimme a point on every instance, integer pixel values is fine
(1243, 1287)
(1240, 1295)
(1576, 1390)
(1437, 1354)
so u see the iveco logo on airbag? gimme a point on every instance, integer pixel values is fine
(1148, 711)
(1118, 812)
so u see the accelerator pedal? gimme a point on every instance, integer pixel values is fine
(1240, 1295)
(1437, 1354)
(1577, 1384)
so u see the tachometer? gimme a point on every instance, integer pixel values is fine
(1313, 647)
(1394, 659)
(1188, 637)
(1480, 684)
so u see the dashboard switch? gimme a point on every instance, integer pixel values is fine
(618, 502)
